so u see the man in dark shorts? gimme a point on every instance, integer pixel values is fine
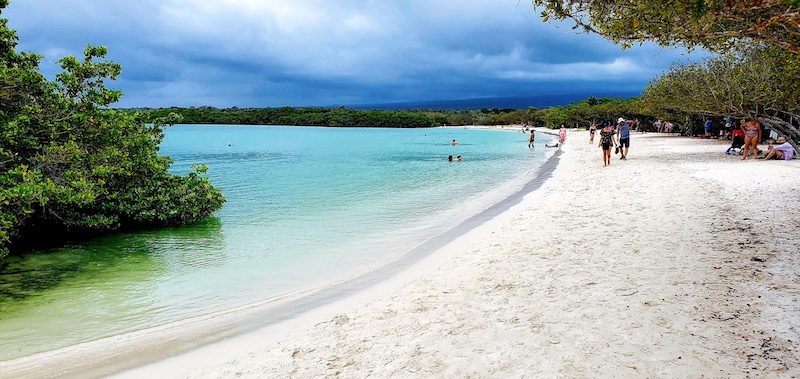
(624, 137)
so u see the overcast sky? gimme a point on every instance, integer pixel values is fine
(268, 53)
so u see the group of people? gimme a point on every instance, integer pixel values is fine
(619, 136)
(450, 157)
(663, 126)
(562, 136)
(749, 134)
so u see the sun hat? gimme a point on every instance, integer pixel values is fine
(620, 120)
(781, 140)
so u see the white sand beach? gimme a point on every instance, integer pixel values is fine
(678, 262)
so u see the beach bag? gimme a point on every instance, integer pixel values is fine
(616, 150)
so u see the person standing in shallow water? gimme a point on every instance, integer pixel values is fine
(606, 141)
(530, 140)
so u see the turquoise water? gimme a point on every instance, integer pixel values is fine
(305, 207)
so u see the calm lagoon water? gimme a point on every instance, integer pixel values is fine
(305, 207)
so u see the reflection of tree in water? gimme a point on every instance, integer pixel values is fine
(94, 289)
(137, 256)
(188, 248)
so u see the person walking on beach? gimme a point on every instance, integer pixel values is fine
(606, 141)
(530, 140)
(592, 130)
(562, 134)
(624, 137)
(752, 136)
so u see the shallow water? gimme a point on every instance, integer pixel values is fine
(306, 206)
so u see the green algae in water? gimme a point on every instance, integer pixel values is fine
(84, 291)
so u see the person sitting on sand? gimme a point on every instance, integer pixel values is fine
(783, 151)
(556, 145)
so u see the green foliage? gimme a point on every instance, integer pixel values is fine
(342, 117)
(758, 83)
(713, 24)
(591, 110)
(335, 117)
(485, 116)
(68, 165)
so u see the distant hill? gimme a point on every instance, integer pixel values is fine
(514, 102)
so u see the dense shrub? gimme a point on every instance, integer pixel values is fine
(70, 165)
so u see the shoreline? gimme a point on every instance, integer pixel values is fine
(650, 267)
(679, 262)
(100, 358)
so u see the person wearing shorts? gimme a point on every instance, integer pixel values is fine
(624, 137)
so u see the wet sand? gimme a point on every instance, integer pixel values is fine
(678, 262)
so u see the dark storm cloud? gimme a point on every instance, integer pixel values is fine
(314, 52)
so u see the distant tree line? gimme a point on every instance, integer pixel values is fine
(306, 116)
(578, 113)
